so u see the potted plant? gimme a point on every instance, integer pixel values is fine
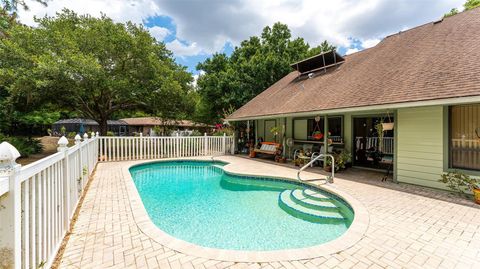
(317, 135)
(461, 182)
(342, 159)
(328, 165)
(274, 130)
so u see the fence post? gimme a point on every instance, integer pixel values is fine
(177, 146)
(233, 144)
(10, 207)
(224, 145)
(205, 145)
(62, 147)
(85, 141)
(141, 147)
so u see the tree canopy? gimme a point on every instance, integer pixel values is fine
(470, 4)
(91, 66)
(230, 81)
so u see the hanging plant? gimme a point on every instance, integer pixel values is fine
(379, 129)
(317, 135)
(274, 130)
(387, 126)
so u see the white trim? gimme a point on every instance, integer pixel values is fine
(437, 102)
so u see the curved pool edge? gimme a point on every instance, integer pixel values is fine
(353, 234)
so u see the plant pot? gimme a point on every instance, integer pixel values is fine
(317, 136)
(252, 154)
(387, 126)
(476, 194)
(328, 168)
(282, 160)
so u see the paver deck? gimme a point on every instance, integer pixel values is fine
(410, 227)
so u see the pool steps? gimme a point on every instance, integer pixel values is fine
(298, 205)
(298, 197)
(309, 193)
(305, 204)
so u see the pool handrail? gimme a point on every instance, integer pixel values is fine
(328, 179)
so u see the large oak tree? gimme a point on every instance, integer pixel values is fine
(93, 66)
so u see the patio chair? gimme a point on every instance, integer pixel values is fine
(321, 159)
(306, 148)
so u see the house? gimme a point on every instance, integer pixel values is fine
(424, 80)
(148, 126)
(81, 126)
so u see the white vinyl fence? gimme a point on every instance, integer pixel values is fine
(37, 201)
(143, 148)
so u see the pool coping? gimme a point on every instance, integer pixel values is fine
(353, 234)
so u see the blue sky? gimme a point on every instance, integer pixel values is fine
(195, 29)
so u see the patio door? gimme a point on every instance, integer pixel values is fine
(370, 150)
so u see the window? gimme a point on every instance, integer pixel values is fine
(304, 128)
(464, 137)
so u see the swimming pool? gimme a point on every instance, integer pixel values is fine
(199, 203)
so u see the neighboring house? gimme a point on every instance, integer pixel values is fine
(148, 125)
(425, 80)
(80, 126)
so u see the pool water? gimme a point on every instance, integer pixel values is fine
(199, 203)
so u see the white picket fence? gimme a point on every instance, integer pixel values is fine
(37, 201)
(143, 148)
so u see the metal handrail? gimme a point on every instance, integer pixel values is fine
(314, 160)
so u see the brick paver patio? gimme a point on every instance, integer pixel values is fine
(410, 227)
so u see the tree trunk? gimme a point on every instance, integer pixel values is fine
(103, 126)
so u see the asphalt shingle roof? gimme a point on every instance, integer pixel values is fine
(432, 61)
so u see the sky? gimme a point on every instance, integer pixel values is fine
(195, 29)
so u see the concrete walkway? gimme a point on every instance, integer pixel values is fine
(409, 227)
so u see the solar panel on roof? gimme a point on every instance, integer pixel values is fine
(318, 62)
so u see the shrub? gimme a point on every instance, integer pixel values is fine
(25, 145)
(63, 130)
(459, 181)
(196, 133)
(110, 133)
(71, 135)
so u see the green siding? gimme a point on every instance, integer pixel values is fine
(348, 132)
(420, 151)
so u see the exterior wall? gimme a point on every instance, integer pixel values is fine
(348, 132)
(420, 145)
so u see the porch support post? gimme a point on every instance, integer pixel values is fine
(256, 132)
(248, 128)
(325, 139)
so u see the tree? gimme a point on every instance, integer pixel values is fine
(256, 64)
(470, 4)
(8, 13)
(92, 66)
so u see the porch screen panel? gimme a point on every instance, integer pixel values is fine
(464, 137)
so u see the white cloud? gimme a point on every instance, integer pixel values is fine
(181, 49)
(119, 10)
(352, 50)
(208, 25)
(370, 43)
(159, 32)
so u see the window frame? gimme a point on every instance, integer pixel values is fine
(342, 126)
(448, 164)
